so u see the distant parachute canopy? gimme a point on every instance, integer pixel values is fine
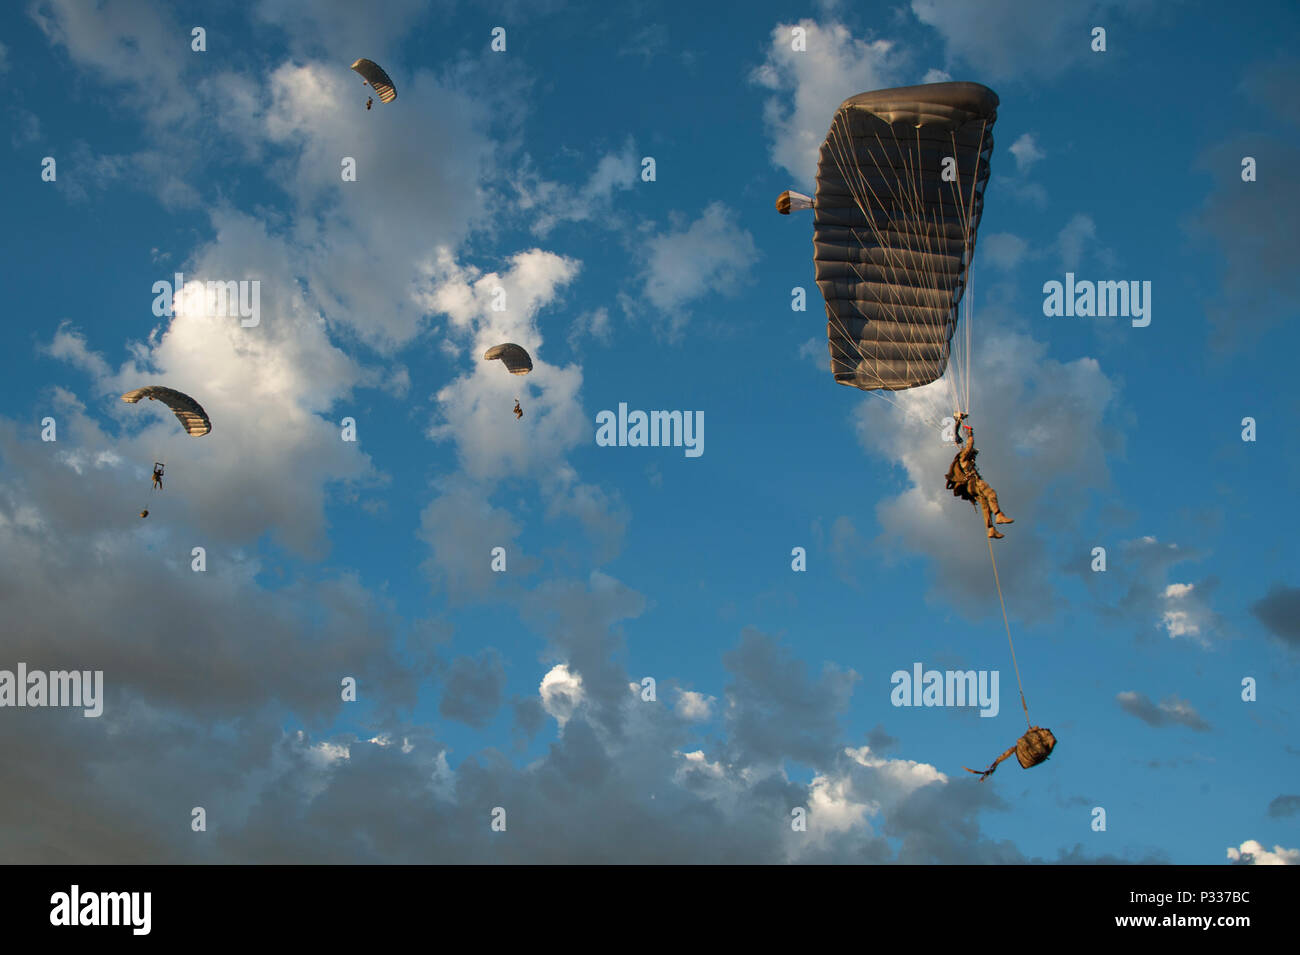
(516, 360)
(188, 411)
(374, 74)
(893, 236)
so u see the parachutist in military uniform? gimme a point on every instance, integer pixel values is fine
(965, 482)
(370, 101)
(519, 412)
(157, 475)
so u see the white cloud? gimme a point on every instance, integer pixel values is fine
(128, 42)
(1185, 613)
(1026, 151)
(809, 86)
(272, 451)
(708, 256)
(562, 693)
(552, 203)
(475, 407)
(695, 707)
(1252, 853)
(1043, 449)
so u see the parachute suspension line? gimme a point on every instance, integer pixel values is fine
(859, 186)
(1014, 664)
(969, 242)
(905, 234)
(907, 203)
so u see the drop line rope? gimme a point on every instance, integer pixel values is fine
(1014, 664)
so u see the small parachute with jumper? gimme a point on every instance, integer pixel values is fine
(373, 75)
(517, 362)
(187, 411)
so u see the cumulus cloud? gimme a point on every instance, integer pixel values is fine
(561, 693)
(1252, 852)
(474, 406)
(808, 87)
(552, 203)
(693, 706)
(709, 255)
(416, 197)
(1181, 610)
(1026, 151)
(128, 43)
(272, 453)
(1183, 613)
(215, 643)
(1169, 712)
(462, 529)
(1046, 455)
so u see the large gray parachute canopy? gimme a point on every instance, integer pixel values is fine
(514, 357)
(188, 411)
(374, 74)
(900, 192)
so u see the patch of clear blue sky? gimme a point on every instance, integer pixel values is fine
(709, 546)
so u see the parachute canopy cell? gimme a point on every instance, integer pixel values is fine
(514, 357)
(188, 411)
(374, 74)
(894, 227)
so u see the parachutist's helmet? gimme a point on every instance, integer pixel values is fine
(144, 513)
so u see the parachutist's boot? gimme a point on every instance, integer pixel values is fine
(1003, 519)
(993, 533)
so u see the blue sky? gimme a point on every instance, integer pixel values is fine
(521, 170)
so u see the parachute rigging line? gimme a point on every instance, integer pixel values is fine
(1014, 664)
(909, 207)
